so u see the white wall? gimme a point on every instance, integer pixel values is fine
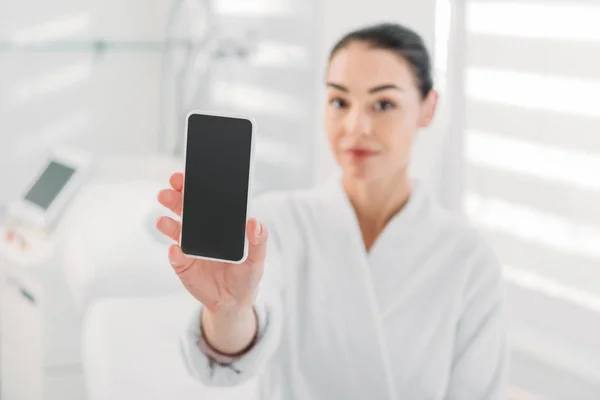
(61, 95)
(111, 102)
(337, 17)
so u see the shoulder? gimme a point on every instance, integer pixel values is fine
(467, 239)
(478, 270)
(276, 201)
(474, 258)
(281, 209)
(269, 201)
(280, 203)
(284, 213)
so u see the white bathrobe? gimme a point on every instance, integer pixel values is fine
(419, 316)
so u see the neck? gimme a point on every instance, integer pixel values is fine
(376, 202)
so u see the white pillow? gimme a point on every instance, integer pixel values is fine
(111, 245)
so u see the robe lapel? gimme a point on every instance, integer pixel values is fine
(396, 253)
(345, 290)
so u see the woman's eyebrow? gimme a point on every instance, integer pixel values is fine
(337, 86)
(385, 87)
(375, 89)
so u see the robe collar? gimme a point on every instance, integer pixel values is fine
(402, 223)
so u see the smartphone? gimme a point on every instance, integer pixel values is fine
(217, 186)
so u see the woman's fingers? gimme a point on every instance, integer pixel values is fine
(179, 261)
(169, 227)
(257, 236)
(176, 181)
(171, 199)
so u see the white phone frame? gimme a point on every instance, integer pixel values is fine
(250, 180)
(37, 216)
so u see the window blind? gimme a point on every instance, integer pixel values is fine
(532, 149)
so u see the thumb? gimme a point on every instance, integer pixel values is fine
(257, 238)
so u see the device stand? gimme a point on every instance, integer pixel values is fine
(22, 250)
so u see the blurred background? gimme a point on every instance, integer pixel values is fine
(87, 304)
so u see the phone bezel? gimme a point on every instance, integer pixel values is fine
(250, 180)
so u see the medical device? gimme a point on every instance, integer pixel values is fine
(47, 196)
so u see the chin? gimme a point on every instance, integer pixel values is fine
(358, 173)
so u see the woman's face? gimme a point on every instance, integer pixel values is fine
(374, 110)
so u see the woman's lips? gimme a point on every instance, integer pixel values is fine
(360, 153)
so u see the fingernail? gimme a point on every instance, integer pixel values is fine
(258, 228)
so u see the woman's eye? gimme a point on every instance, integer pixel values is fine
(384, 105)
(338, 103)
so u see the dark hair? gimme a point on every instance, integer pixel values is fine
(399, 39)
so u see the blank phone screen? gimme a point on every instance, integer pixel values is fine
(216, 184)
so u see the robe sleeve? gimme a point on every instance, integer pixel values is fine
(480, 362)
(214, 369)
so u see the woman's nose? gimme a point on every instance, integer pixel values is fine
(358, 123)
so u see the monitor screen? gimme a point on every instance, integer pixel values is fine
(48, 186)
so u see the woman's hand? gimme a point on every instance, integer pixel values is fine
(226, 290)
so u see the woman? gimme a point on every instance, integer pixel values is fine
(370, 290)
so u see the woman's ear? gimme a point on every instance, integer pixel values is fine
(429, 108)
